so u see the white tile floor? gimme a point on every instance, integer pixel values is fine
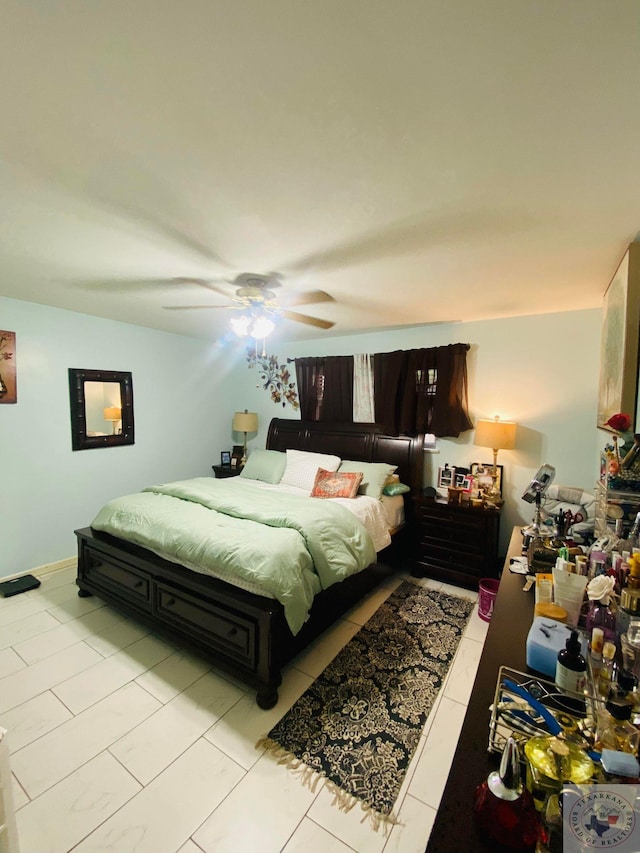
(122, 741)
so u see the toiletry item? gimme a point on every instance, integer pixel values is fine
(551, 761)
(504, 809)
(629, 597)
(568, 592)
(613, 727)
(549, 610)
(544, 588)
(617, 763)
(545, 639)
(597, 642)
(582, 565)
(571, 668)
(630, 655)
(605, 675)
(600, 614)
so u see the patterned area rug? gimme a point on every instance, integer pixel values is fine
(359, 723)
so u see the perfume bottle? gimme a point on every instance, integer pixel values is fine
(613, 727)
(600, 614)
(504, 809)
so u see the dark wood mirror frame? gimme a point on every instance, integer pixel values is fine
(79, 438)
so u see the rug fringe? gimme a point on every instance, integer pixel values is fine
(310, 778)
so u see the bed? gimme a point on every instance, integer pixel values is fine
(240, 631)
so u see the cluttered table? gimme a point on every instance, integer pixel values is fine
(454, 829)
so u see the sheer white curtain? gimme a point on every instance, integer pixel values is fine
(363, 411)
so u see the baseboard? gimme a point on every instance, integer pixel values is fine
(41, 571)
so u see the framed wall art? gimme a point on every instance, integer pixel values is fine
(8, 379)
(618, 384)
(481, 472)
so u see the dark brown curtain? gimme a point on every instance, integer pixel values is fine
(325, 388)
(422, 390)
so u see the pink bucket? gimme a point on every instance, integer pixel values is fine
(487, 591)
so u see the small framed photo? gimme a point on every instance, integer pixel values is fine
(464, 482)
(446, 477)
(482, 472)
(225, 458)
(234, 462)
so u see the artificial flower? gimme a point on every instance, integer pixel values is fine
(620, 422)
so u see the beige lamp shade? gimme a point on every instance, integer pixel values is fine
(245, 421)
(497, 434)
(112, 413)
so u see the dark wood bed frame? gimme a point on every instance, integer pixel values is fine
(242, 633)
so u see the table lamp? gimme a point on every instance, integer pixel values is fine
(498, 435)
(245, 422)
(113, 414)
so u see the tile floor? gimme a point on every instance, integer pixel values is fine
(122, 741)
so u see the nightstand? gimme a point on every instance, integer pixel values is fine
(222, 471)
(458, 544)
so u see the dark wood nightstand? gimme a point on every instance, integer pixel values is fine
(222, 471)
(458, 544)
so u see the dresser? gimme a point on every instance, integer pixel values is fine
(458, 544)
(454, 829)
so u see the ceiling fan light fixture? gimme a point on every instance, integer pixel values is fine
(240, 325)
(253, 323)
(262, 326)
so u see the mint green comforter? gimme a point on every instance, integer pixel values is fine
(288, 546)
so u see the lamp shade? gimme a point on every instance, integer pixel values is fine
(245, 421)
(497, 434)
(112, 413)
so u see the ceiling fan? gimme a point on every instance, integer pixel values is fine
(257, 302)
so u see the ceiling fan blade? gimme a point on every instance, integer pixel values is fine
(205, 282)
(195, 307)
(309, 297)
(305, 318)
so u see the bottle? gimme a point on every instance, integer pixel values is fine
(613, 727)
(600, 614)
(597, 643)
(605, 676)
(571, 668)
(633, 537)
(503, 808)
(629, 597)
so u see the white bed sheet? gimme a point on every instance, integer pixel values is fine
(369, 511)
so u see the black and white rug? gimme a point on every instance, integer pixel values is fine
(359, 723)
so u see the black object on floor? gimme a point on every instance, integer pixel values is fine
(21, 584)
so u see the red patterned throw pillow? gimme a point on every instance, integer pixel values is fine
(330, 484)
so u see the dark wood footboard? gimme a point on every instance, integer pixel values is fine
(243, 634)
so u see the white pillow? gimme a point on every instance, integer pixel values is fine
(302, 467)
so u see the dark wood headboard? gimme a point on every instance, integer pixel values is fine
(362, 442)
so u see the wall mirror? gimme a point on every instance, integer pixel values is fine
(101, 408)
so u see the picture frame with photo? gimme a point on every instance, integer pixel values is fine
(464, 481)
(446, 477)
(482, 473)
(225, 458)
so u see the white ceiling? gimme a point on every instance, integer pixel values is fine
(421, 161)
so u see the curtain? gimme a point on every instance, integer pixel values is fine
(363, 409)
(422, 391)
(325, 388)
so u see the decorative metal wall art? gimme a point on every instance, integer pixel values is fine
(275, 378)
